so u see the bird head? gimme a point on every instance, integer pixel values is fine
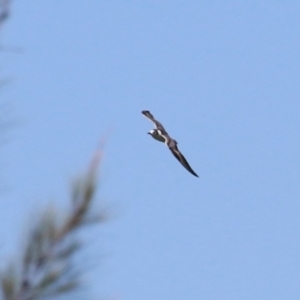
(152, 132)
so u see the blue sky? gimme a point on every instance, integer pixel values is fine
(223, 78)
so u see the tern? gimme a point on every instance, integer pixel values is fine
(161, 135)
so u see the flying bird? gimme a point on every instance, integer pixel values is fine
(161, 135)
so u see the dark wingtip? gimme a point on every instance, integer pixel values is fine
(193, 173)
(145, 111)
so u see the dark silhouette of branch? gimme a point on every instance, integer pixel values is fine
(4, 10)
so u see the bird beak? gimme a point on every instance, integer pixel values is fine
(148, 132)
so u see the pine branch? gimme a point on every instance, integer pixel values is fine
(46, 267)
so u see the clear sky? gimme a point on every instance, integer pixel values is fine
(223, 78)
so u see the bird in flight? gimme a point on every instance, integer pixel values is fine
(161, 135)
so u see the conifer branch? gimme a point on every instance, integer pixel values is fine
(46, 266)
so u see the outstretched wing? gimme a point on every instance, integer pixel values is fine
(157, 124)
(181, 158)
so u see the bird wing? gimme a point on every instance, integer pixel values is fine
(157, 124)
(175, 151)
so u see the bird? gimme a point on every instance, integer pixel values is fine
(161, 135)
